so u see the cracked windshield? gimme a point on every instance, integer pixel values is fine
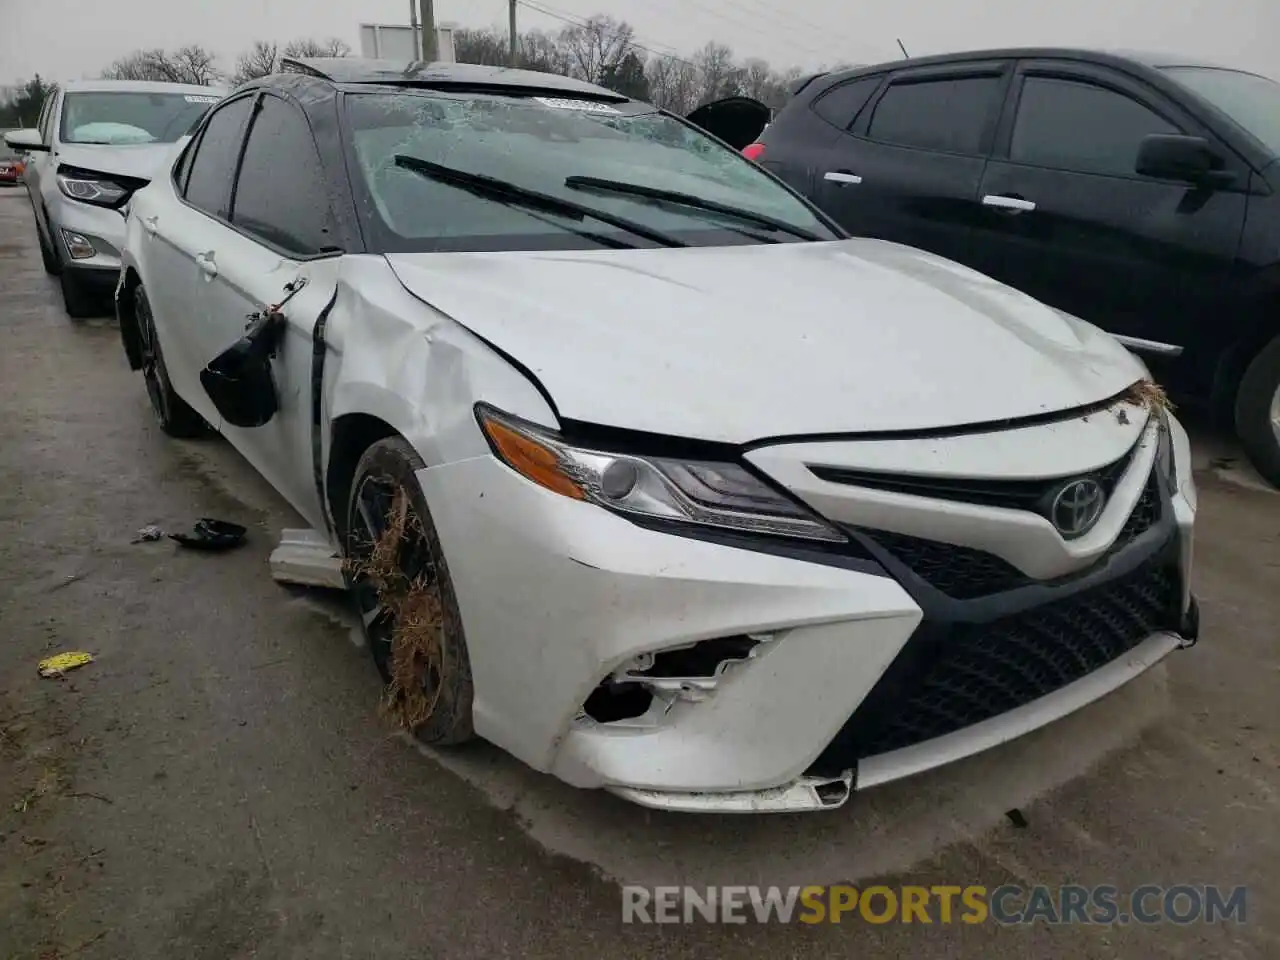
(537, 144)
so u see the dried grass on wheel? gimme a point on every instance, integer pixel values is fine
(414, 605)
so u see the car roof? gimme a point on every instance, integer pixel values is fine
(138, 86)
(355, 71)
(1147, 59)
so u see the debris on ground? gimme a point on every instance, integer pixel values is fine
(414, 607)
(1016, 818)
(211, 534)
(61, 663)
(148, 534)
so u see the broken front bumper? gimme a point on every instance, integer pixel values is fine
(561, 599)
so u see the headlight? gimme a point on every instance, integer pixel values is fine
(103, 193)
(713, 494)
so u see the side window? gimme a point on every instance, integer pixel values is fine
(183, 168)
(949, 115)
(1081, 127)
(284, 203)
(841, 105)
(46, 118)
(212, 167)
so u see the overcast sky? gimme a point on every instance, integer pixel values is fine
(66, 39)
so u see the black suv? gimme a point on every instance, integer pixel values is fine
(1141, 193)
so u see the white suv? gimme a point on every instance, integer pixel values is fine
(97, 142)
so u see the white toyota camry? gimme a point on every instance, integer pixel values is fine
(641, 469)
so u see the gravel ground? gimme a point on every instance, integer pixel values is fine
(218, 784)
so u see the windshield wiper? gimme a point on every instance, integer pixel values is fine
(688, 200)
(502, 191)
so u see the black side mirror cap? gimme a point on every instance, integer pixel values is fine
(1177, 157)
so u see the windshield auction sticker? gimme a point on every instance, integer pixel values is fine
(590, 106)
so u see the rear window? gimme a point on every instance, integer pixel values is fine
(536, 143)
(118, 117)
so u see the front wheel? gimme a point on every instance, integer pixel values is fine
(404, 596)
(175, 416)
(1258, 412)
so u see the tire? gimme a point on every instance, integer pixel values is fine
(175, 416)
(1258, 412)
(384, 481)
(78, 298)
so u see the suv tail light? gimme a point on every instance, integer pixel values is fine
(753, 151)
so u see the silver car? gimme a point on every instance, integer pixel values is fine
(96, 143)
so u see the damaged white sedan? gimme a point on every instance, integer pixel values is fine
(641, 469)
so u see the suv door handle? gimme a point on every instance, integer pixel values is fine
(151, 224)
(207, 265)
(841, 176)
(1009, 204)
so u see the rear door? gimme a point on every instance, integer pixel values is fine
(1067, 218)
(798, 143)
(909, 167)
(281, 229)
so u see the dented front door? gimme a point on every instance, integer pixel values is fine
(249, 278)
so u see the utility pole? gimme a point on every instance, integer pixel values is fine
(428, 17)
(511, 27)
(413, 27)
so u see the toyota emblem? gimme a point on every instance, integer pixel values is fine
(1077, 507)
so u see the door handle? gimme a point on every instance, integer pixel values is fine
(207, 265)
(1010, 204)
(151, 224)
(840, 176)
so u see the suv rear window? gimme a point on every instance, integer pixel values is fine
(536, 143)
(948, 114)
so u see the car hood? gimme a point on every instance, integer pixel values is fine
(744, 343)
(140, 161)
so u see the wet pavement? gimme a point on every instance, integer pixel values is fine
(218, 784)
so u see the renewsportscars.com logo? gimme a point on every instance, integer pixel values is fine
(1007, 905)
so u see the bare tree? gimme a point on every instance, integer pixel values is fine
(258, 61)
(673, 84)
(480, 46)
(762, 82)
(543, 51)
(718, 75)
(305, 47)
(189, 64)
(596, 47)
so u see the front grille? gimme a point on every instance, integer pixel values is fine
(952, 676)
(960, 572)
(965, 573)
(1145, 513)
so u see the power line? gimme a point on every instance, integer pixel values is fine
(722, 15)
(792, 17)
(573, 21)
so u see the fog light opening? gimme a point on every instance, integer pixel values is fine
(704, 660)
(611, 702)
(78, 245)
